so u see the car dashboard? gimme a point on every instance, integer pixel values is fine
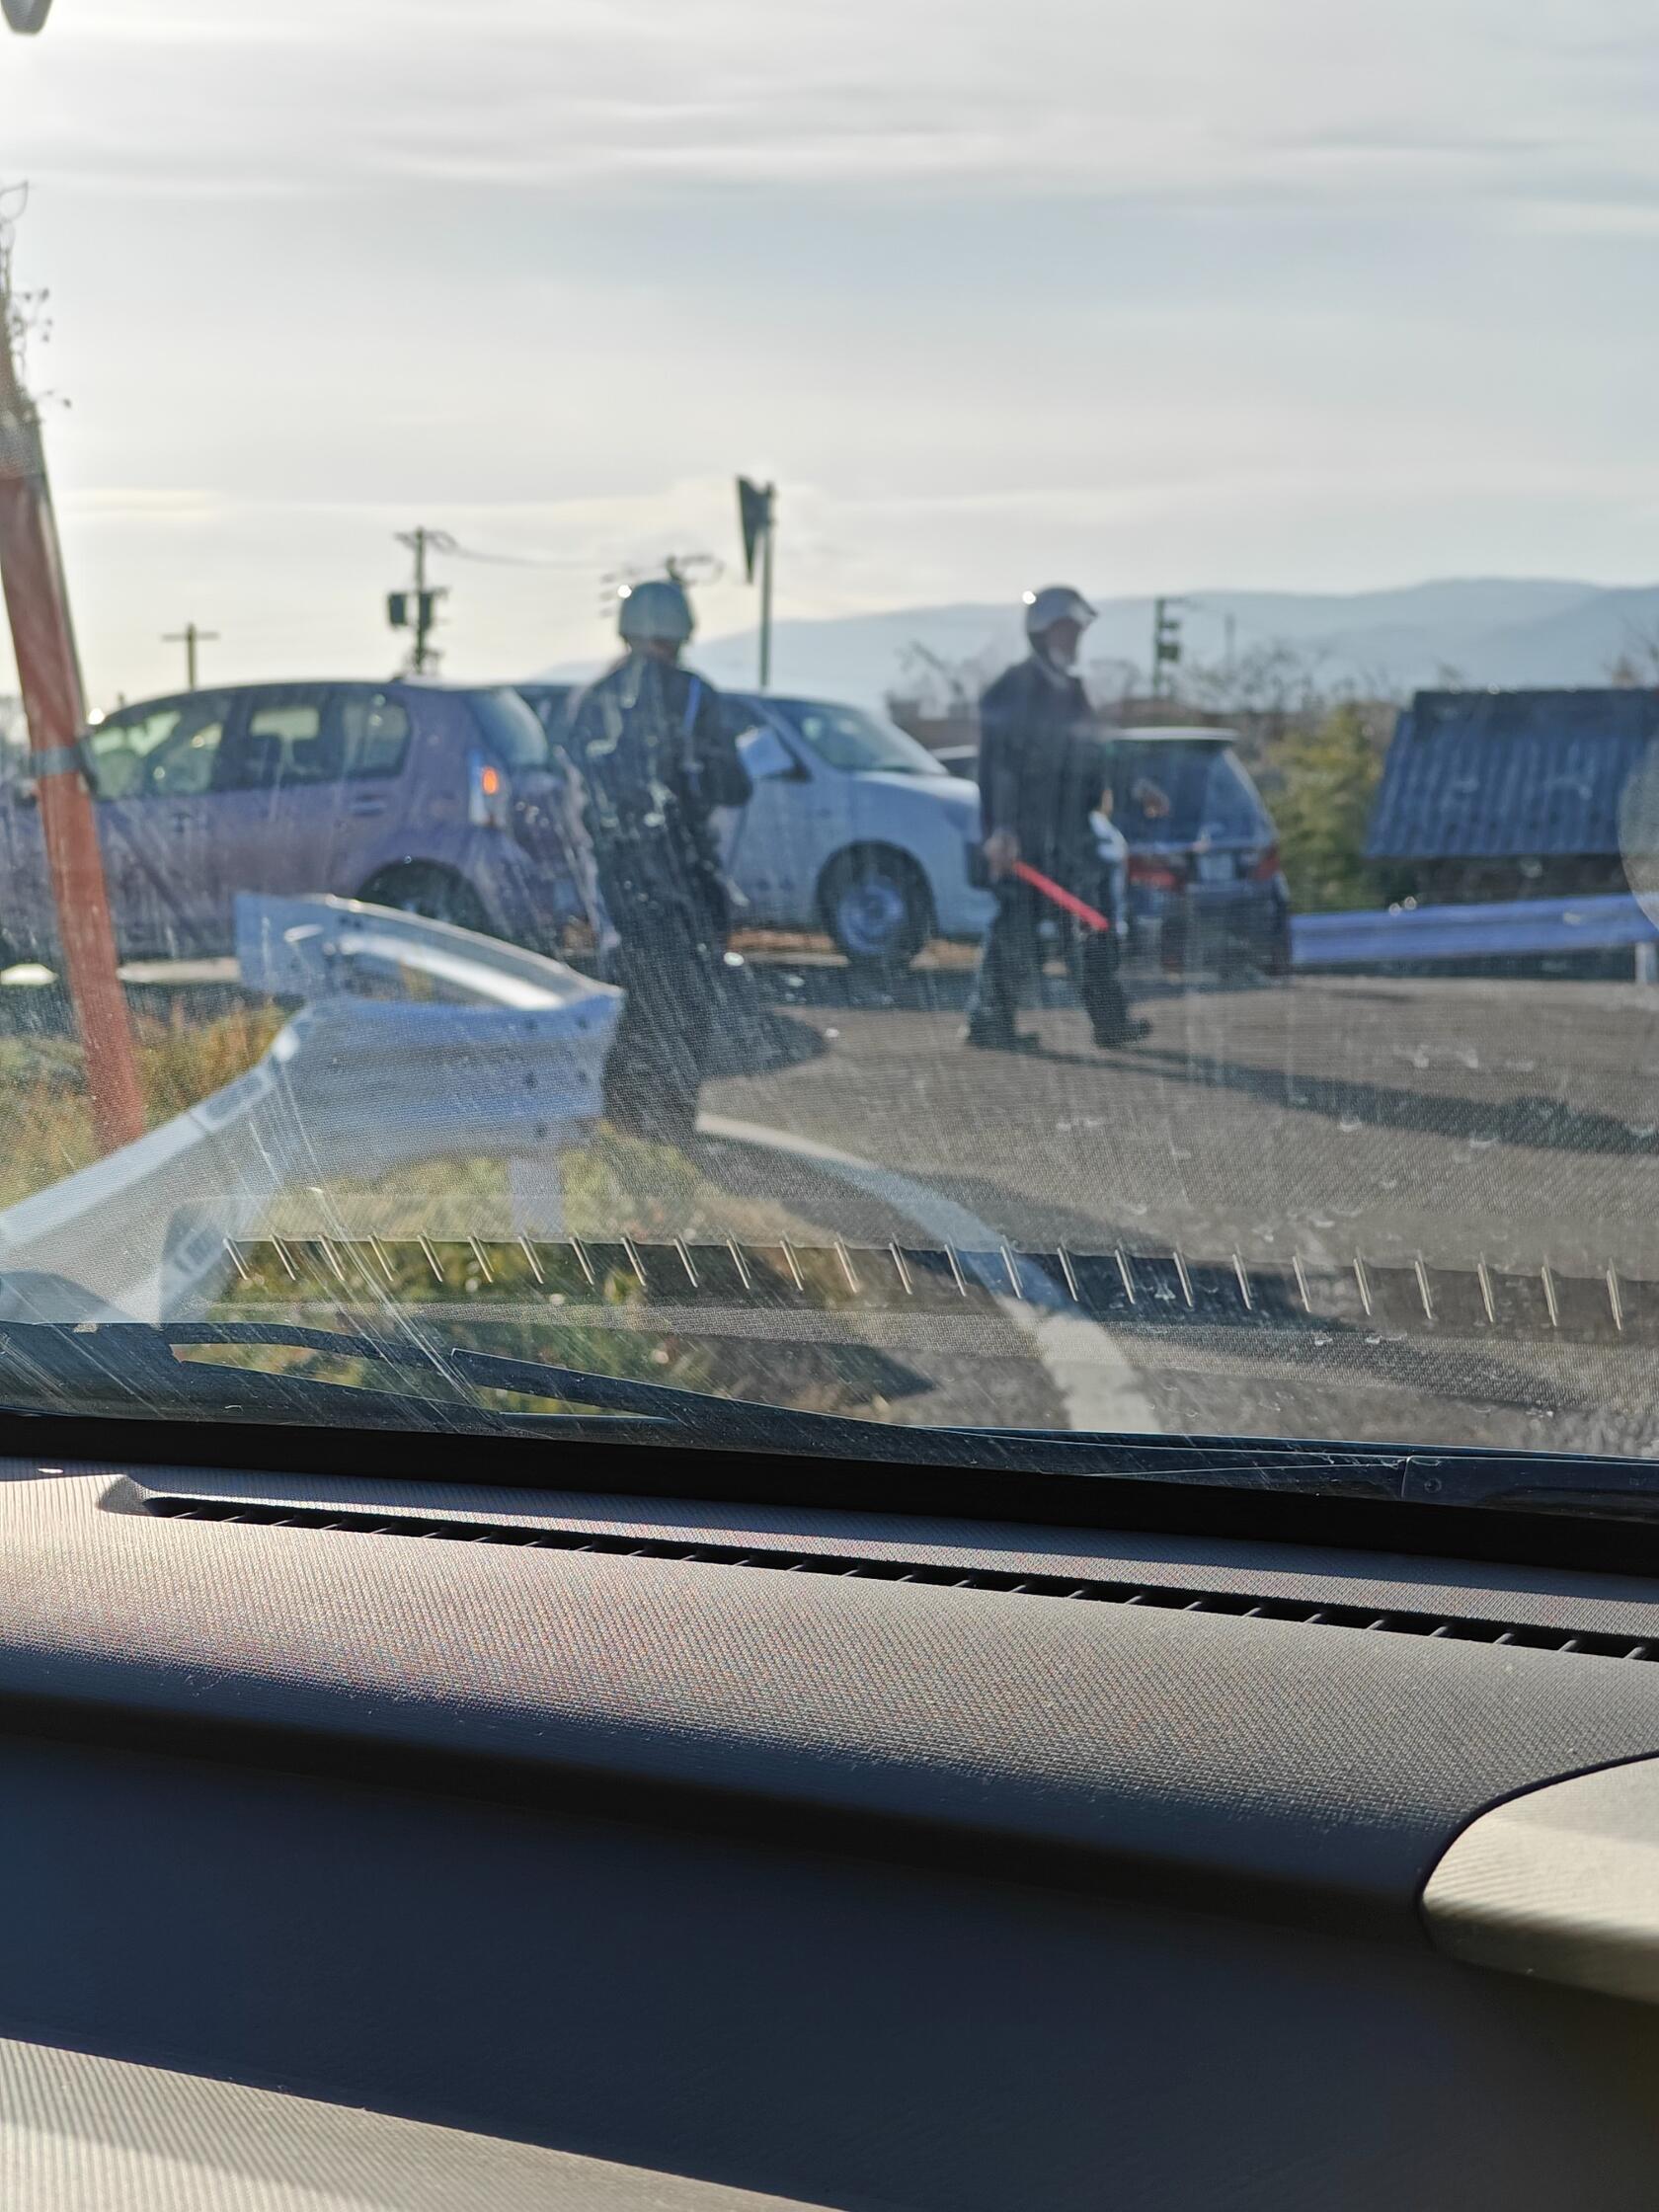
(404, 1840)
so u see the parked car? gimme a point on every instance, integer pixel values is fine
(441, 801)
(855, 827)
(1205, 886)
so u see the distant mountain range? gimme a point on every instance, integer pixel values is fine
(1474, 631)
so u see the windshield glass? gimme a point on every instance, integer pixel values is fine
(844, 738)
(467, 474)
(1178, 793)
(511, 729)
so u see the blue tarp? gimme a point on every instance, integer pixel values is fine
(1492, 776)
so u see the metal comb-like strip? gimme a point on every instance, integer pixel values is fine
(1125, 1290)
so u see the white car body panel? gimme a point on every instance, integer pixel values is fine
(779, 845)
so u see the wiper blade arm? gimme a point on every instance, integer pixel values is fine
(128, 1361)
(128, 1367)
(125, 1367)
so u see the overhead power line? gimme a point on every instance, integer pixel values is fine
(190, 637)
(517, 560)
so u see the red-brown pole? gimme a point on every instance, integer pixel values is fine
(48, 672)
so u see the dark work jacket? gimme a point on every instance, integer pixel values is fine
(651, 758)
(1043, 764)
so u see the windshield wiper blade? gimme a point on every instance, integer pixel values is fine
(126, 1368)
(131, 1365)
(129, 1368)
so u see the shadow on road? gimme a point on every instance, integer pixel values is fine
(945, 990)
(754, 1038)
(1547, 1124)
(924, 991)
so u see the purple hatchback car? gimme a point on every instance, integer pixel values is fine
(439, 801)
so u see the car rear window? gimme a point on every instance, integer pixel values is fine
(1210, 794)
(511, 729)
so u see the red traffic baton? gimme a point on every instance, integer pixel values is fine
(1079, 908)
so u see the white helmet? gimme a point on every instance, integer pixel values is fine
(1055, 603)
(655, 614)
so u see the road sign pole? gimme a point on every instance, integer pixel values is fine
(767, 589)
(757, 520)
(48, 673)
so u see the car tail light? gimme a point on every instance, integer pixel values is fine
(1154, 873)
(1266, 866)
(488, 794)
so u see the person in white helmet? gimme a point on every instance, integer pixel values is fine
(1044, 771)
(651, 756)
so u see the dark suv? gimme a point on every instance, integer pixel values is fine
(437, 800)
(1204, 885)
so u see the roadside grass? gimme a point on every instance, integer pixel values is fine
(47, 1113)
(608, 1188)
(612, 1187)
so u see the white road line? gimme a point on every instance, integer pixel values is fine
(1097, 1383)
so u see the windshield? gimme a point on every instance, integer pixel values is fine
(511, 729)
(1180, 793)
(507, 514)
(853, 743)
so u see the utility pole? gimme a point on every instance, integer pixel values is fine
(417, 610)
(190, 637)
(49, 677)
(757, 519)
(1166, 646)
(423, 605)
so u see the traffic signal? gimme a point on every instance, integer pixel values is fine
(399, 603)
(755, 518)
(1166, 634)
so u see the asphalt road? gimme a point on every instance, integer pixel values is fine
(1506, 1125)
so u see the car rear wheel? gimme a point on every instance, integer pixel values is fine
(435, 894)
(877, 907)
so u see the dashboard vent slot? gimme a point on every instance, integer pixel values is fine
(1165, 1597)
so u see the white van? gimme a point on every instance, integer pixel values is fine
(855, 827)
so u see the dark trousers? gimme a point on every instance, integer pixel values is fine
(670, 965)
(1011, 959)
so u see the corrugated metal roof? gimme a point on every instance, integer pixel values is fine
(1486, 775)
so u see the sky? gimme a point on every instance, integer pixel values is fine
(1222, 294)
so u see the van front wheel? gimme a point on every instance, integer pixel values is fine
(877, 906)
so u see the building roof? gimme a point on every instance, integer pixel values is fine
(1486, 775)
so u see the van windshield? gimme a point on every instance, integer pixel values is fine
(511, 729)
(854, 743)
(1210, 795)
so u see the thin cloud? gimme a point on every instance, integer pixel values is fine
(1201, 97)
(1265, 289)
